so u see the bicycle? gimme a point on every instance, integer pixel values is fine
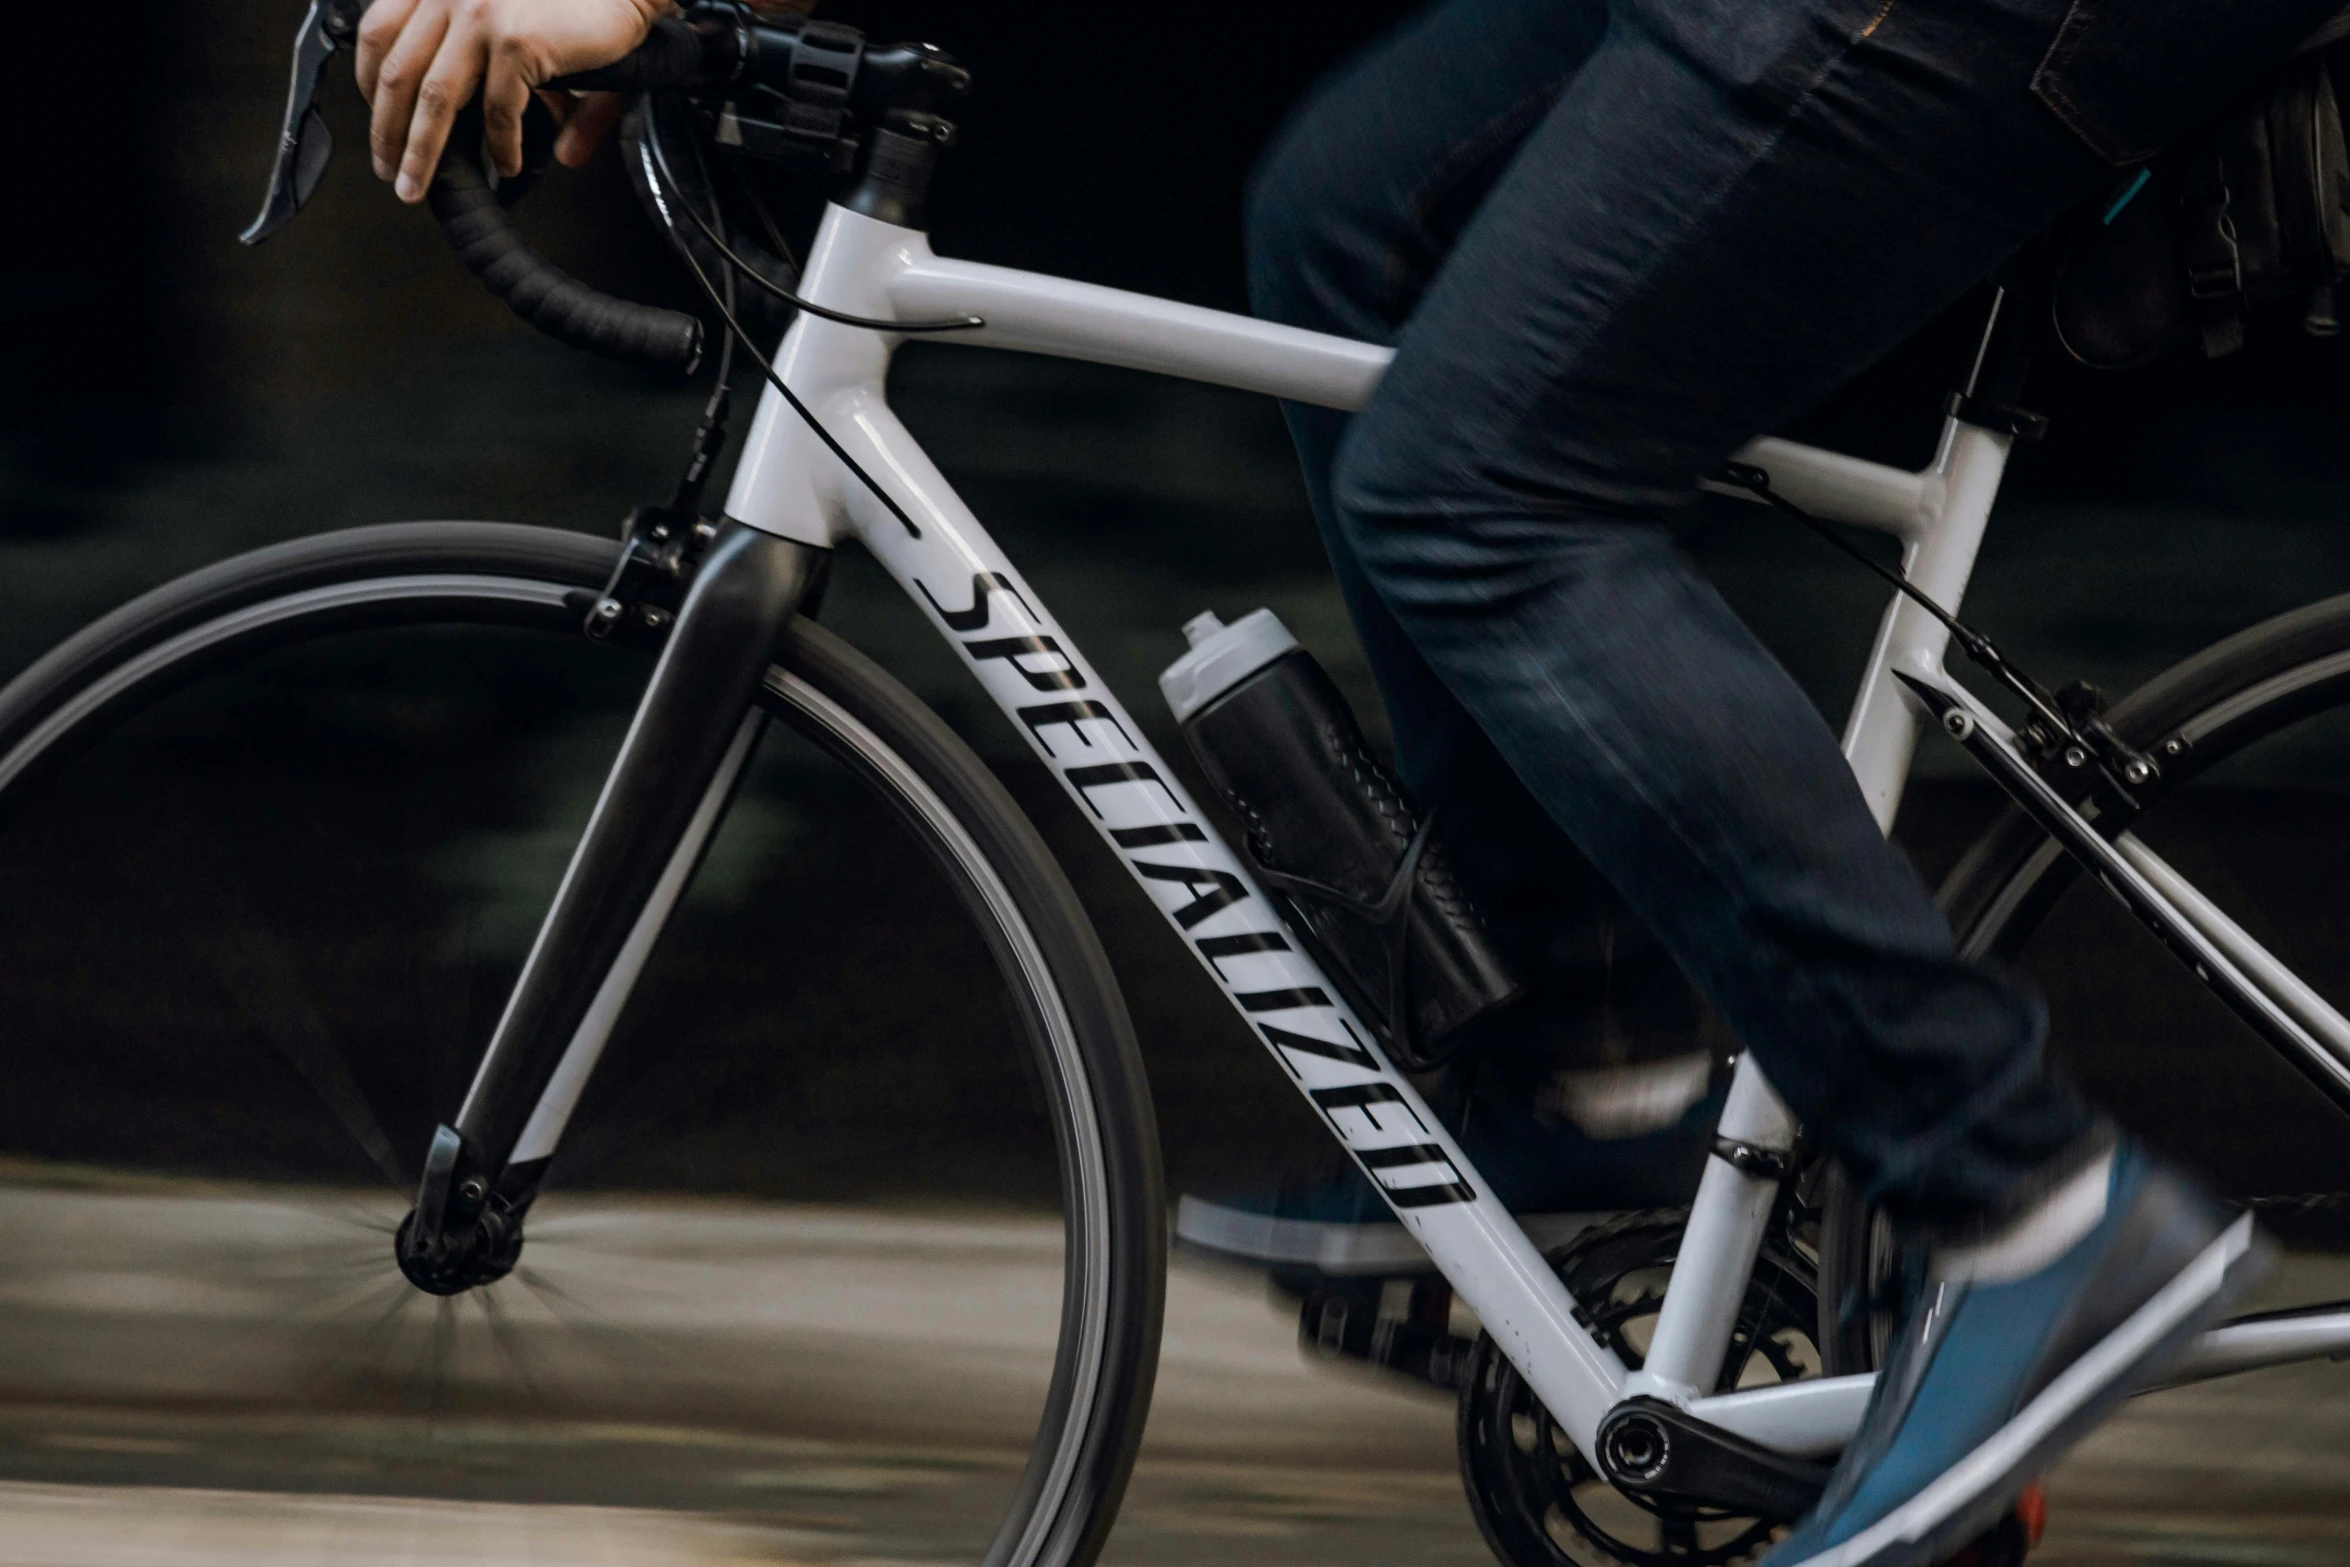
(1690, 1418)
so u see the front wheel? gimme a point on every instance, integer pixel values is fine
(855, 1242)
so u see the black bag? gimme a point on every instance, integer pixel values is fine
(2249, 214)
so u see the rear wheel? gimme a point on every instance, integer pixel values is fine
(2253, 739)
(856, 1241)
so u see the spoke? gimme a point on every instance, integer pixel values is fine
(259, 972)
(587, 1325)
(445, 928)
(325, 1203)
(676, 1091)
(346, 1282)
(383, 1336)
(509, 1339)
(439, 1346)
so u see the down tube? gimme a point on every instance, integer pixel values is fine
(1078, 728)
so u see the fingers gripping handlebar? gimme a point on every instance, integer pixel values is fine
(479, 226)
(801, 66)
(805, 87)
(678, 55)
(675, 56)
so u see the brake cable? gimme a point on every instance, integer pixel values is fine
(667, 541)
(781, 247)
(777, 246)
(2074, 716)
(797, 302)
(869, 323)
(665, 188)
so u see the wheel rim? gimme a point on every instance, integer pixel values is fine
(1087, 1288)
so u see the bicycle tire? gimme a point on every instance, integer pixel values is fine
(2203, 712)
(543, 580)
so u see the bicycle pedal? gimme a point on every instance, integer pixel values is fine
(2008, 1542)
(1402, 1325)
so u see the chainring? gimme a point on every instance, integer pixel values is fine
(1538, 1501)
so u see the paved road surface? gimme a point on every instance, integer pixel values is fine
(707, 1385)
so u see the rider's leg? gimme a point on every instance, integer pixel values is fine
(1675, 261)
(1355, 206)
(1728, 212)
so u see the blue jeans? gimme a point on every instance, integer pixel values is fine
(1610, 246)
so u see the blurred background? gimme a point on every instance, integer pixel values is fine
(168, 398)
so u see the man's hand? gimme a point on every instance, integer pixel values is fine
(419, 62)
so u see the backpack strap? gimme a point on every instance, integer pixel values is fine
(2329, 191)
(2207, 244)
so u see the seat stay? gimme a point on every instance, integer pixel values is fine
(2258, 965)
(2320, 1054)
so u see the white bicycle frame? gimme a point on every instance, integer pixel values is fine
(790, 485)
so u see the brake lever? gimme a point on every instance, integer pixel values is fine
(303, 144)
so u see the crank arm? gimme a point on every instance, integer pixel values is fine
(303, 144)
(1993, 745)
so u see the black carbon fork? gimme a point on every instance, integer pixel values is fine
(743, 596)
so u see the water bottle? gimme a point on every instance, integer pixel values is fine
(1358, 866)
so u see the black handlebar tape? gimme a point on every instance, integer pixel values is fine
(676, 56)
(491, 247)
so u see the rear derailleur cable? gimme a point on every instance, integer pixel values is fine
(2070, 723)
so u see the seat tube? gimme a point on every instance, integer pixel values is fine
(1880, 736)
(1752, 1155)
(1938, 555)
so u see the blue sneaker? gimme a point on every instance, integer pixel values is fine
(2014, 1350)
